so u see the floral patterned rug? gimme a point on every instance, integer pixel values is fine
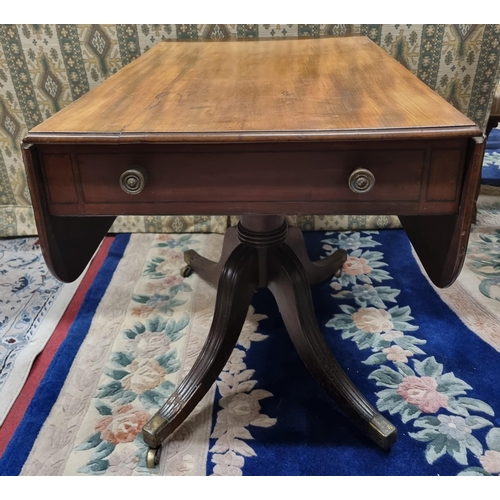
(32, 302)
(427, 362)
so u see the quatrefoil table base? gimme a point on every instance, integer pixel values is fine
(262, 251)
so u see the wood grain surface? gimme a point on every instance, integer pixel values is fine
(302, 89)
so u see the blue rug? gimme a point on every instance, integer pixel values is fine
(491, 164)
(404, 348)
(442, 393)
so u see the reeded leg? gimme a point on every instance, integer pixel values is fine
(238, 281)
(207, 269)
(291, 290)
(318, 270)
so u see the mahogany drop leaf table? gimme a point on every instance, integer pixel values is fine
(258, 129)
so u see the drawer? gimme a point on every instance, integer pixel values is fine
(214, 181)
(260, 176)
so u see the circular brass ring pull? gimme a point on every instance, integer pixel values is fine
(361, 180)
(134, 180)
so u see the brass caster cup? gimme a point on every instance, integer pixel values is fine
(186, 271)
(153, 457)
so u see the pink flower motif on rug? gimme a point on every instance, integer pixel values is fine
(123, 426)
(355, 266)
(422, 392)
(491, 461)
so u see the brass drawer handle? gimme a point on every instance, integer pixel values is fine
(134, 180)
(361, 180)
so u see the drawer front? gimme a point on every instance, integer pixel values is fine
(415, 179)
(290, 176)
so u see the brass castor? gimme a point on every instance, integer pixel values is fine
(153, 457)
(186, 271)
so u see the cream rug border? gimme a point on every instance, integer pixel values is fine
(56, 439)
(186, 453)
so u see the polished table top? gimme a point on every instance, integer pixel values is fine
(303, 89)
